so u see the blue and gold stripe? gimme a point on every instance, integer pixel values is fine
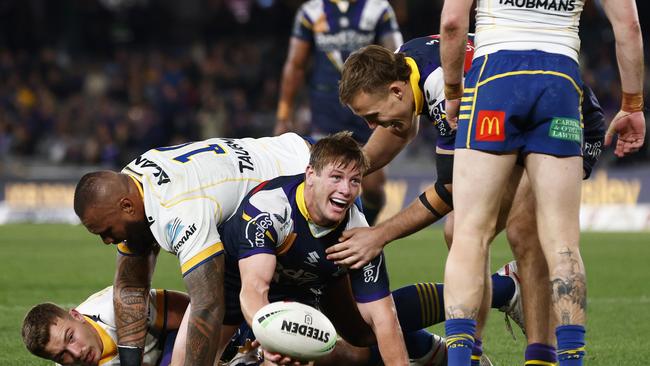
(207, 253)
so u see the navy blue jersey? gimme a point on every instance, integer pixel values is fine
(337, 28)
(425, 51)
(273, 219)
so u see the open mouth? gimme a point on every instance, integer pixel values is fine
(339, 203)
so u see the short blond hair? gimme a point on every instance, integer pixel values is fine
(370, 70)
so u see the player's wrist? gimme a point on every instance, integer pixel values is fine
(284, 111)
(632, 102)
(130, 355)
(453, 91)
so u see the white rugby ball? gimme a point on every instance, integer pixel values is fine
(294, 329)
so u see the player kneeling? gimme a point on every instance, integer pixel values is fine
(275, 249)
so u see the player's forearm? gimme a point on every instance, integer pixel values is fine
(130, 299)
(384, 145)
(382, 318)
(454, 25)
(629, 54)
(413, 218)
(205, 286)
(251, 301)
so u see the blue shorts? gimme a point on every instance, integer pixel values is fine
(522, 101)
(329, 116)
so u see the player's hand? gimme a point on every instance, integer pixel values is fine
(282, 126)
(630, 128)
(271, 358)
(357, 247)
(452, 106)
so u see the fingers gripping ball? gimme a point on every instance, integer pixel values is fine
(294, 329)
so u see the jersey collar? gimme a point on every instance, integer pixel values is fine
(109, 348)
(139, 185)
(414, 79)
(317, 231)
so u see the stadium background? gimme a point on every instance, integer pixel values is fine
(89, 84)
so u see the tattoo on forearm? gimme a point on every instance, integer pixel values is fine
(205, 285)
(131, 315)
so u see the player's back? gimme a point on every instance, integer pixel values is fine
(545, 25)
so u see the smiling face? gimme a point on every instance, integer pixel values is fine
(331, 192)
(73, 341)
(394, 110)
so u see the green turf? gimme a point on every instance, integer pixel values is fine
(65, 264)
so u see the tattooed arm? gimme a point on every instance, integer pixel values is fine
(131, 289)
(205, 285)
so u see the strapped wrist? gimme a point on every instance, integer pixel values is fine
(632, 102)
(453, 91)
(130, 356)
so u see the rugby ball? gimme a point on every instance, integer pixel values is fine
(295, 330)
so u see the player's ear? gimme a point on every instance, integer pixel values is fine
(76, 315)
(126, 205)
(309, 173)
(397, 89)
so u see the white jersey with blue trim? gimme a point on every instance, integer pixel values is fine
(190, 189)
(99, 312)
(545, 25)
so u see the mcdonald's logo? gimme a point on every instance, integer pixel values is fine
(490, 126)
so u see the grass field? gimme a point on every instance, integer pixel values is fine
(65, 264)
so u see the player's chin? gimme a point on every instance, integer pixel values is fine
(336, 212)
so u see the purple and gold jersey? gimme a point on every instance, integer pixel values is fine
(337, 28)
(273, 219)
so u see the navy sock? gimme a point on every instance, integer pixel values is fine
(540, 354)
(418, 343)
(477, 352)
(460, 341)
(419, 306)
(570, 344)
(503, 288)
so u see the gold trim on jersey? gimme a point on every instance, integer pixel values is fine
(159, 322)
(139, 185)
(201, 256)
(472, 94)
(300, 201)
(414, 79)
(286, 244)
(109, 348)
(124, 249)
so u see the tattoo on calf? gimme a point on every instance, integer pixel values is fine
(569, 292)
(461, 312)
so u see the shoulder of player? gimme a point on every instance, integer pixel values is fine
(271, 196)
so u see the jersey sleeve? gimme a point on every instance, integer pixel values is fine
(190, 231)
(303, 25)
(370, 283)
(264, 224)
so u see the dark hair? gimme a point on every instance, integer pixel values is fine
(339, 148)
(95, 187)
(36, 327)
(369, 70)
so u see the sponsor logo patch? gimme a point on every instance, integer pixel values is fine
(490, 126)
(565, 129)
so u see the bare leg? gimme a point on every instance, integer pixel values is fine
(479, 181)
(558, 205)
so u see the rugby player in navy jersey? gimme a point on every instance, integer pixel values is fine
(325, 32)
(403, 87)
(275, 245)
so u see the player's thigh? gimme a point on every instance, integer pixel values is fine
(512, 190)
(478, 185)
(338, 304)
(556, 184)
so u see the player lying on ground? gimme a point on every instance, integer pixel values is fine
(405, 86)
(86, 335)
(175, 198)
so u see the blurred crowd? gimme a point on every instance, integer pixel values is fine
(71, 96)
